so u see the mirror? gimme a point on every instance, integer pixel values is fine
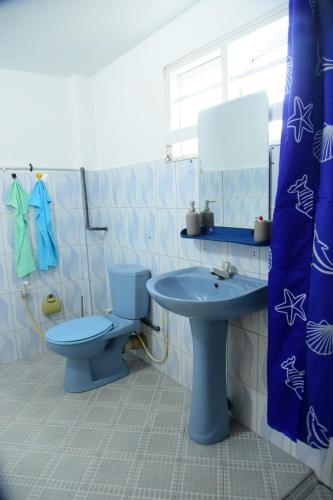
(240, 195)
(234, 135)
(234, 158)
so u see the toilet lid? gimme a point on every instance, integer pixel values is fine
(78, 330)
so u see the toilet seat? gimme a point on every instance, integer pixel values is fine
(79, 330)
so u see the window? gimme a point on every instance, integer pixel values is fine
(234, 67)
(192, 87)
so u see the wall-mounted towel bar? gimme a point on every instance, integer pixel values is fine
(85, 205)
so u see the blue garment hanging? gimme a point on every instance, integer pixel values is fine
(300, 353)
(47, 249)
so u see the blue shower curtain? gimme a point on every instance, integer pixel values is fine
(300, 352)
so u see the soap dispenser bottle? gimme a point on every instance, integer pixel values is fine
(193, 221)
(207, 216)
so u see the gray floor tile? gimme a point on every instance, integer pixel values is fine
(242, 449)
(32, 464)
(168, 445)
(9, 407)
(56, 494)
(198, 479)
(16, 492)
(321, 492)
(51, 435)
(126, 440)
(134, 417)
(17, 433)
(157, 476)
(107, 496)
(147, 379)
(87, 439)
(279, 456)
(71, 468)
(34, 410)
(102, 415)
(193, 450)
(66, 412)
(172, 398)
(23, 390)
(110, 395)
(283, 482)
(114, 472)
(141, 396)
(245, 484)
(169, 419)
(49, 391)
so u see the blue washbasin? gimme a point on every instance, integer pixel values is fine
(208, 302)
(196, 293)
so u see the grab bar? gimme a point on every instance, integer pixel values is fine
(85, 207)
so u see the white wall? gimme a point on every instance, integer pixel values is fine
(129, 94)
(36, 122)
(84, 121)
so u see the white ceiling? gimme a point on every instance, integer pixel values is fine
(65, 37)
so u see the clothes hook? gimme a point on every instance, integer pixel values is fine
(31, 167)
(14, 176)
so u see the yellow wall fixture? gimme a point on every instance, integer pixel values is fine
(51, 305)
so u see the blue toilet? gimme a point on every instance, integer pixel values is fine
(93, 345)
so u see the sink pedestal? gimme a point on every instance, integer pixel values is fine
(209, 420)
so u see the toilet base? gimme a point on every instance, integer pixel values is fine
(78, 376)
(84, 374)
(93, 363)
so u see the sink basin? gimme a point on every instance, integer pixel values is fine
(208, 301)
(196, 293)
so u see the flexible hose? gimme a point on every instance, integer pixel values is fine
(165, 342)
(33, 322)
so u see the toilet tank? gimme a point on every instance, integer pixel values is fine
(130, 298)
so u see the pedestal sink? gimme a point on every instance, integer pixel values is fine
(208, 301)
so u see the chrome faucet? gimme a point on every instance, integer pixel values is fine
(223, 273)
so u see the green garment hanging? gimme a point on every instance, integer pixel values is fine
(18, 199)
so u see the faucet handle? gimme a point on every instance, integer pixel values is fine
(226, 266)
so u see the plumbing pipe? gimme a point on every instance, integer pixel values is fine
(36, 327)
(165, 342)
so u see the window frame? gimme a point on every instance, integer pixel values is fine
(222, 43)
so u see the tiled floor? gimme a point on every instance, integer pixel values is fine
(126, 440)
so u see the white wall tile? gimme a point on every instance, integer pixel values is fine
(244, 258)
(187, 370)
(187, 177)
(267, 432)
(28, 342)
(262, 364)
(213, 253)
(321, 461)
(168, 235)
(244, 402)
(243, 356)
(166, 184)
(8, 349)
(172, 367)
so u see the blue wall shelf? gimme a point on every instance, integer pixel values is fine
(238, 235)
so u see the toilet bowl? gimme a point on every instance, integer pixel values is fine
(93, 345)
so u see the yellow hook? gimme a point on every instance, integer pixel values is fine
(39, 175)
